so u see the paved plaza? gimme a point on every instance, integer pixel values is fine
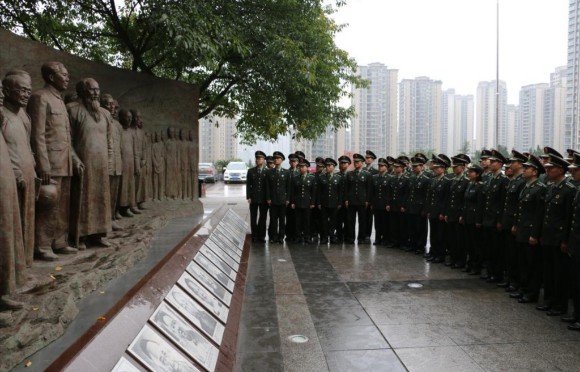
(355, 305)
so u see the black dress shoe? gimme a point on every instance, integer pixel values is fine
(569, 319)
(492, 280)
(543, 307)
(517, 296)
(448, 264)
(466, 270)
(484, 277)
(511, 289)
(281, 241)
(272, 241)
(438, 260)
(574, 327)
(527, 300)
(349, 241)
(555, 313)
(503, 285)
(474, 273)
(323, 241)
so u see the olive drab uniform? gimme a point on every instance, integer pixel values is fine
(397, 193)
(555, 230)
(456, 237)
(278, 193)
(369, 228)
(493, 206)
(341, 214)
(358, 184)
(418, 185)
(290, 213)
(472, 216)
(378, 199)
(574, 252)
(436, 207)
(330, 198)
(528, 223)
(514, 189)
(303, 198)
(315, 217)
(256, 194)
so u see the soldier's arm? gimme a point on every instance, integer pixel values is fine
(568, 204)
(313, 193)
(288, 186)
(249, 183)
(502, 196)
(540, 208)
(480, 203)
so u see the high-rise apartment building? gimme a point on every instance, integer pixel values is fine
(375, 125)
(420, 114)
(456, 123)
(558, 93)
(485, 115)
(217, 139)
(535, 120)
(571, 130)
(514, 139)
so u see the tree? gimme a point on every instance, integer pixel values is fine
(465, 149)
(273, 64)
(221, 164)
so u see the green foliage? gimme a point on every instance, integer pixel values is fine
(537, 151)
(272, 64)
(220, 165)
(465, 148)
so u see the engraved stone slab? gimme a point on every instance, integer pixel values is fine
(209, 283)
(203, 296)
(191, 341)
(231, 273)
(196, 314)
(221, 254)
(214, 271)
(157, 354)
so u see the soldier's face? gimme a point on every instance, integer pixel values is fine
(554, 173)
(259, 161)
(293, 163)
(271, 165)
(398, 169)
(472, 175)
(529, 173)
(575, 172)
(368, 160)
(382, 168)
(343, 167)
(457, 170)
(329, 168)
(495, 165)
(417, 169)
(438, 170)
(358, 164)
(303, 169)
(484, 163)
(277, 160)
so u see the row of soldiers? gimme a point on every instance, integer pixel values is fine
(512, 221)
(70, 169)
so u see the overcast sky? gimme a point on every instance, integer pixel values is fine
(455, 40)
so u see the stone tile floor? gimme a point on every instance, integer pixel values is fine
(354, 305)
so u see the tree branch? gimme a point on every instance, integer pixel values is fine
(215, 103)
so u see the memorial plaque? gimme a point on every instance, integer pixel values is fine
(213, 270)
(226, 246)
(203, 296)
(196, 314)
(209, 283)
(221, 254)
(123, 365)
(232, 225)
(232, 219)
(232, 235)
(184, 335)
(208, 253)
(226, 237)
(157, 354)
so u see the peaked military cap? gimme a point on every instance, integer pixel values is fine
(399, 163)
(390, 160)
(518, 156)
(344, 159)
(260, 154)
(358, 157)
(383, 161)
(440, 162)
(269, 159)
(330, 161)
(463, 157)
(292, 157)
(575, 163)
(497, 156)
(303, 162)
(533, 161)
(571, 153)
(405, 159)
(422, 156)
(320, 161)
(371, 154)
(446, 158)
(476, 168)
(485, 154)
(550, 151)
(300, 154)
(556, 161)
(278, 154)
(417, 160)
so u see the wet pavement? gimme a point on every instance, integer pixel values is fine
(355, 306)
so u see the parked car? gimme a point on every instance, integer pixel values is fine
(206, 172)
(236, 171)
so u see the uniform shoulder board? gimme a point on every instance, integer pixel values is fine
(570, 186)
(540, 184)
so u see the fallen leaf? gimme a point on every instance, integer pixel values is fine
(53, 277)
(101, 318)
(28, 364)
(102, 292)
(34, 308)
(58, 268)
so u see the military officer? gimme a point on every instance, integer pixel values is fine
(256, 196)
(270, 162)
(544, 158)
(378, 199)
(471, 217)
(436, 207)
(415, 209)
(494, 203)
(315, 217)
(358, 184)
(397, 193)
(554, 240)
(290, 213)
(370, 157)
(341, 216)
(527, 229)
(514, 188)
(456, 237)
(573, 248)
(329, 189)
(278, 198)
(303, 199)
